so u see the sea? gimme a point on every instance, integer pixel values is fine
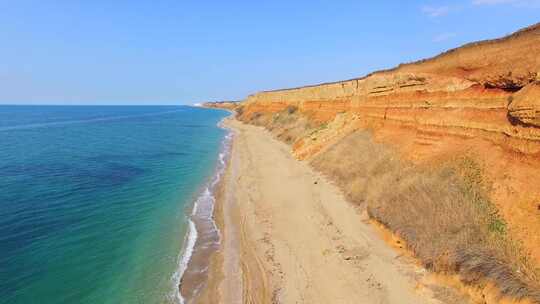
(96, 202)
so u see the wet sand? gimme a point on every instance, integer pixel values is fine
(205, 233)
(289, 236)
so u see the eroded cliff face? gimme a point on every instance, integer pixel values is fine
(524, 106)
(481, 100)
(479, 103)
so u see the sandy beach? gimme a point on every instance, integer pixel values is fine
(289, 236)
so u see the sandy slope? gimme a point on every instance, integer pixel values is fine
(290, 237)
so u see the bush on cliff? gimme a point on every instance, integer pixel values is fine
(291, 109)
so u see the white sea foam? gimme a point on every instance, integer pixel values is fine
(184, 260)
(206, 196)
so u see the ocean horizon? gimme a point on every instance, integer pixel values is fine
(96, 200)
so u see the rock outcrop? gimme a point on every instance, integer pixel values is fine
(524, 106)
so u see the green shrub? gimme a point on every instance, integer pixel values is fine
(291, 109)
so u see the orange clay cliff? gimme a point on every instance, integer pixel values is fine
(473, 111)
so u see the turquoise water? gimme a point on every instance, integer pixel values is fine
(93, 200)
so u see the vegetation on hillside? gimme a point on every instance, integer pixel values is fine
(442, 213)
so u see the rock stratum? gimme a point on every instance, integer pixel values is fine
(481, 100)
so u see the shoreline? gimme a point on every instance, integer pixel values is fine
(337, 255)
(203, 237)
(210, 293)
(224, 283)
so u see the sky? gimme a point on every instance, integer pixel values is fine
(184, 52)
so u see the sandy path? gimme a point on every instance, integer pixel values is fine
(289, 236)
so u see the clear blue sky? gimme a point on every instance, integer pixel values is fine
(181, 52)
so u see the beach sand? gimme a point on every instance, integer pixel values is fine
(289, 236)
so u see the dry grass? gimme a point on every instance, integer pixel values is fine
(287, 125)
(239, 110)
(441, 213)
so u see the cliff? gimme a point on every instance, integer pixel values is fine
(225, 105)
(479, 103)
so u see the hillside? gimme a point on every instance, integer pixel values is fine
(444, 152)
